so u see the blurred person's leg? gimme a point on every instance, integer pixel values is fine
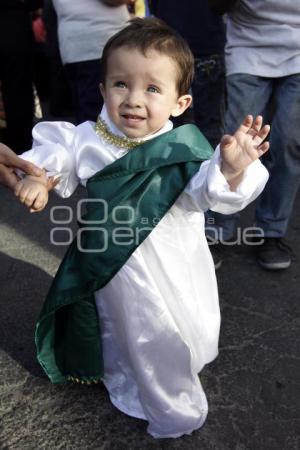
(283, 162)
(60, 103)
(41, 74)
(84, 80)
(209, 97)
(17, 92)
(246, 94)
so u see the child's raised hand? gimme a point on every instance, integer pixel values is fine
(244, 147)
(33, 192)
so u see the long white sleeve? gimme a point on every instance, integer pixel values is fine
(210, 190)
(53, 150)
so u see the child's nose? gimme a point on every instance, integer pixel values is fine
(134, 98)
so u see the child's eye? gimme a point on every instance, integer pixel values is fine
(120, 84)
(153, 89)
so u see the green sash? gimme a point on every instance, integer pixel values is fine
(135, 192)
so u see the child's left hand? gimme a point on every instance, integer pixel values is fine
(241, 149)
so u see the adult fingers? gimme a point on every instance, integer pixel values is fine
(8, 177)
(6, 154)
(10, 159)
(28, 167)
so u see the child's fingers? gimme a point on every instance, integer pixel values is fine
(23, 194)
(262, 134)
(39, 203)
(33, 210)
(251, 126)
(246, 125)
(52, 182)
(263, 148)
(226, 141)
(30, 198)
(18, 188)
(257, 123)
(256, 127)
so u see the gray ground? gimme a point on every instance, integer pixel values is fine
(252, 387)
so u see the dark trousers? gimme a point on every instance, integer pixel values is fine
(84, 79)
(17, 94)
(208, 91)
(209, 97)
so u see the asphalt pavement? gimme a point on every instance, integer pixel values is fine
(252, 387)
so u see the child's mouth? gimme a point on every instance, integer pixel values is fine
(132, 118)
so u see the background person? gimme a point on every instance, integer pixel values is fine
(83, 29)
(263, 65)
(204, 31)
(16, 70)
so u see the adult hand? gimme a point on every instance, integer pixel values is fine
(9, 161)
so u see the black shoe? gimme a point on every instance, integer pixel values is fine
(273, 254)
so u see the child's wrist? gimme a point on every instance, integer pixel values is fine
(229, 172)
(232, 176)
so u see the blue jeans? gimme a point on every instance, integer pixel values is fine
(279, 97)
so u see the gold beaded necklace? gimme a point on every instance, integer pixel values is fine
(102, 129)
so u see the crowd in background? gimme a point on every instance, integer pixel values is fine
(247, 61)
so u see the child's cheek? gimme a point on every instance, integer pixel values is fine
(157, 105)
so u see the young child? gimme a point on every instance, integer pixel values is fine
(141, 275)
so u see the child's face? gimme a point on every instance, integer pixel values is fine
(140, 91)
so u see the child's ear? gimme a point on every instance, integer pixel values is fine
(102, 90)
(182, 104)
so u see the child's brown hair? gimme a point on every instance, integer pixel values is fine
(153, 34)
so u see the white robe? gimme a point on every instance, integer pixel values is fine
(159, 314)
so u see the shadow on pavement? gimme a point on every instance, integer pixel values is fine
(23, 288)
